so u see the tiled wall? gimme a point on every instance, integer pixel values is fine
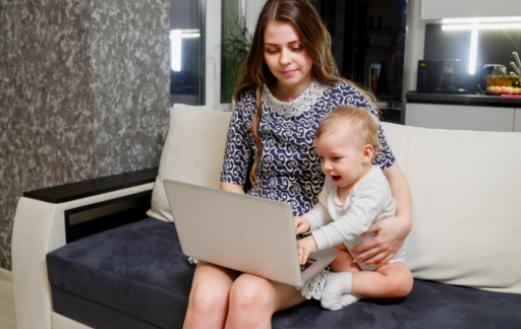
(84, 89)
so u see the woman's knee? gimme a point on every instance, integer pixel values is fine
(204, 298)
(251, 292)
(210, 289)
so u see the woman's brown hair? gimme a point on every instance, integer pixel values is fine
(315, 39)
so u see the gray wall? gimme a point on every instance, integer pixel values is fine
(84, 89)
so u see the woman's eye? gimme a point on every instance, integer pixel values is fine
(270, 50)
(296, 49)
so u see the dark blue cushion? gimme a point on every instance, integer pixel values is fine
(137, 269)
(430, 305)
(135, 276)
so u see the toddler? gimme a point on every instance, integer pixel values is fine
(355, 195)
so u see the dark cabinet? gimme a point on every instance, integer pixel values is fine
(368, 39)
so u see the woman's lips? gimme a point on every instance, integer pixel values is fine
(288, 72)
(335, 178)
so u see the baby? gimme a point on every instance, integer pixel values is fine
(355, 195)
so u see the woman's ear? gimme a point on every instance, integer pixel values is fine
(367, 153)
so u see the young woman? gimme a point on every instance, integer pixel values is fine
(289, 83)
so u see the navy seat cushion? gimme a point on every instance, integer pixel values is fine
(136, 276)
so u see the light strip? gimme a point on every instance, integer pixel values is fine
(473, 53)
(511, 19)
(456, 27)
(175, 50)
(481, 27)
(176, 45)
(500, 26)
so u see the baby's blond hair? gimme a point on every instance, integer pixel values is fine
(362, 121)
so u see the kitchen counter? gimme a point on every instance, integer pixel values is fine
(459, 111)
(463, 99)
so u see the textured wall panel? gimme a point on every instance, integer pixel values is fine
(128, 65)
(84, 88)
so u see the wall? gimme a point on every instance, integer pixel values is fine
(83, 93)
(437, 9)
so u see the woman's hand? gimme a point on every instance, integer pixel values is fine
(306, 246)
(389, 233)
(301, 225)
(230, 187)
(388, 236)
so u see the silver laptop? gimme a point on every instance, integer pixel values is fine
(241, 232)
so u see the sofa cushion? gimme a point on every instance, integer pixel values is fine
(135, 276)
(136, 269)
(430, 305)
(466, 205)
(193, 152)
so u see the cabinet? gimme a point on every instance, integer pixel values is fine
(517, 120)
(438, 9)
(368, 42)
(467, 117)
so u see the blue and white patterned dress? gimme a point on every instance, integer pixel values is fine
(290, 169)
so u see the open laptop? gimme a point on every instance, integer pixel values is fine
(241, 232)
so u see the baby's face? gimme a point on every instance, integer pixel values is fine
(343, 155)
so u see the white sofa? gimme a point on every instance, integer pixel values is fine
(466, 196)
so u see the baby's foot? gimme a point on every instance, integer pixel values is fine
(337, 292)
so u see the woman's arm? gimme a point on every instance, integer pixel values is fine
(390, 233)
(230, 187)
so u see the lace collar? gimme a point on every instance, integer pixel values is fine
(303, 103)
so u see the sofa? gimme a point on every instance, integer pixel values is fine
(104, 253)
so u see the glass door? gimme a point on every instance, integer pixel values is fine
(187, 51)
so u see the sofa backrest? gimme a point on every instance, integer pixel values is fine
(193, 152)
(466, 193)
(466, 205)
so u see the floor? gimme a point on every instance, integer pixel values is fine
(7, 317)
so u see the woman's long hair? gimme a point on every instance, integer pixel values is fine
(315, 40)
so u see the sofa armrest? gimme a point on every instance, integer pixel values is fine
(40, 223)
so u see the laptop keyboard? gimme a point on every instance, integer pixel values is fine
(308, 263)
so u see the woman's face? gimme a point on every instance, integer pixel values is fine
(286, 58)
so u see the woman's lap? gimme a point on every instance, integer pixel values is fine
(221, 281)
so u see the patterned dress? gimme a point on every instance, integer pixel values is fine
(290, 169)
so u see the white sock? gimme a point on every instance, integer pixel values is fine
(337, 292)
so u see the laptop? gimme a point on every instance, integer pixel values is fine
(245, 233)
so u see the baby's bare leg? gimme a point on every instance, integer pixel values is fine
(344, 261)
(387, 281)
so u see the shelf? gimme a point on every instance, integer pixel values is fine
(462, 99)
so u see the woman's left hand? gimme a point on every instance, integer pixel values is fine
(388, 236)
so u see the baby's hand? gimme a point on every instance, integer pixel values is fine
(301, 225)
(305, 247)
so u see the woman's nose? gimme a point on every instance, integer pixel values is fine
(285, 57)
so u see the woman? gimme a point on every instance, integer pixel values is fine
(289, 84)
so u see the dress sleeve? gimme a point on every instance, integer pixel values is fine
(385, 157)
(238, 152)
